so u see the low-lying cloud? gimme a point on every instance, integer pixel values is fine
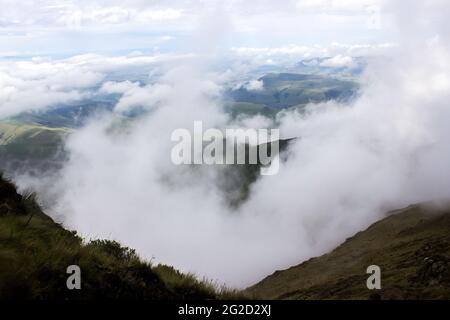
(350, 164)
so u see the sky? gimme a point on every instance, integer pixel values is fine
(47, 27)
(54, 52)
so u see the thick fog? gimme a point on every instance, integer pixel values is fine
(350, 165)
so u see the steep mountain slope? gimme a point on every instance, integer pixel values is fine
(411, 246)
(35, 253)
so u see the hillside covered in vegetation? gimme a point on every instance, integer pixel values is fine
(411, 246)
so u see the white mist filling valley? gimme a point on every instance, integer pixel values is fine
(351, 163)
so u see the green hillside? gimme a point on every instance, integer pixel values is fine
(286, 90)
(30, 146)
(17, 133)
(35, 253)
(67, 116)
(411, 246)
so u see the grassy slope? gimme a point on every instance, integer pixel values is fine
(29, 145)
(12, 130)
(284, 90)
(411, 246)
(35, 252)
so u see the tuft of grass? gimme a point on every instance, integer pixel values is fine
(189, 283)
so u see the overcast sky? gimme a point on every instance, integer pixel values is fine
(79, 26)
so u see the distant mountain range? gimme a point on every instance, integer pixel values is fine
(35, 139)
(72, 115)
(289, 90)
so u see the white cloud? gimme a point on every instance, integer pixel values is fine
(41, 82)
(118, 87)
(338, 61)
(115, 15)
(133, 95)
(254, 85)
(341, 53)
(32, 85)
(343, 6)
(83, 12)
(110, 21)
(387, 149)
(56, 81)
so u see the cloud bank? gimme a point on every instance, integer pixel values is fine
(351, 164)
(42, 82)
